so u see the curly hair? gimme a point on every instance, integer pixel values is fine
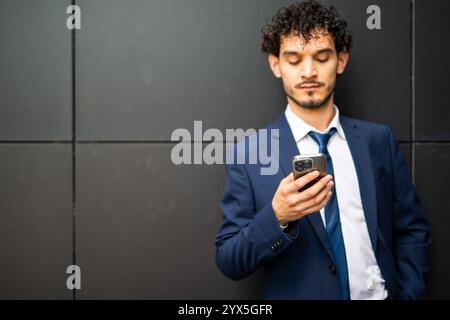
(306, 19)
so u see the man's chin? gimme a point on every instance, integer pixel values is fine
(313, 101)
(311, 104)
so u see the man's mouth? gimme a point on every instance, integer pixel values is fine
(309, 87)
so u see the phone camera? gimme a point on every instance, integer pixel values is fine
(308, 164)
(303, 165)
(299, 166)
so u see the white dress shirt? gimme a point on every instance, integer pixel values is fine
(364, 275)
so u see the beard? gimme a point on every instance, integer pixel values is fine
(311, 103)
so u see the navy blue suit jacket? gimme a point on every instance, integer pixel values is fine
(299, 263)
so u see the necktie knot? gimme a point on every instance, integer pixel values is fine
(322, 138)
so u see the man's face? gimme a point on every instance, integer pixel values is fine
(308, 70)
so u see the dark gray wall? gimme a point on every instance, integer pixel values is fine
(431, 133)
(86, 119)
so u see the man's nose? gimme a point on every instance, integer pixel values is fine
(309, 70)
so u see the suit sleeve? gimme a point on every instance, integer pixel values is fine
(411, 231)
(247, 239)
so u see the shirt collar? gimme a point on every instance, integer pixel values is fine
(300, 128)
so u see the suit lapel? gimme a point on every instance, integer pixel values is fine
(363, 164)
(289, 149)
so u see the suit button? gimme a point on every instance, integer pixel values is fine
(332, 269)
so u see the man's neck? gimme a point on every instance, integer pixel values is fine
(318, 118)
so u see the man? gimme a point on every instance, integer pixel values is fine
(357, 233)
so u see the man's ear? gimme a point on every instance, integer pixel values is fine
(342, 61)
(274, 63)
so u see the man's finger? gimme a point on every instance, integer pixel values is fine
(312, 191)
(302, 181)
(319, 206)
(316, 200)
(289, 178)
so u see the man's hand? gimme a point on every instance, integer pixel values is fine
(289, 204)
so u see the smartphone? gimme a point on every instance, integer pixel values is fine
(304, 164)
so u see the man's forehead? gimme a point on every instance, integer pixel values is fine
(316, 42)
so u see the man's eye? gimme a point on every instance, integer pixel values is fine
(294, 62)
(322, 59)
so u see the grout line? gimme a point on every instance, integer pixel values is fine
(131, 141)
(149, 141)
(413, 94)
(36, 141)
(74, 200)
(167, 142)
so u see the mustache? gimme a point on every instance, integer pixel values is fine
(317, 83)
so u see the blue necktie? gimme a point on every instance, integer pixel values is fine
(333, 222)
